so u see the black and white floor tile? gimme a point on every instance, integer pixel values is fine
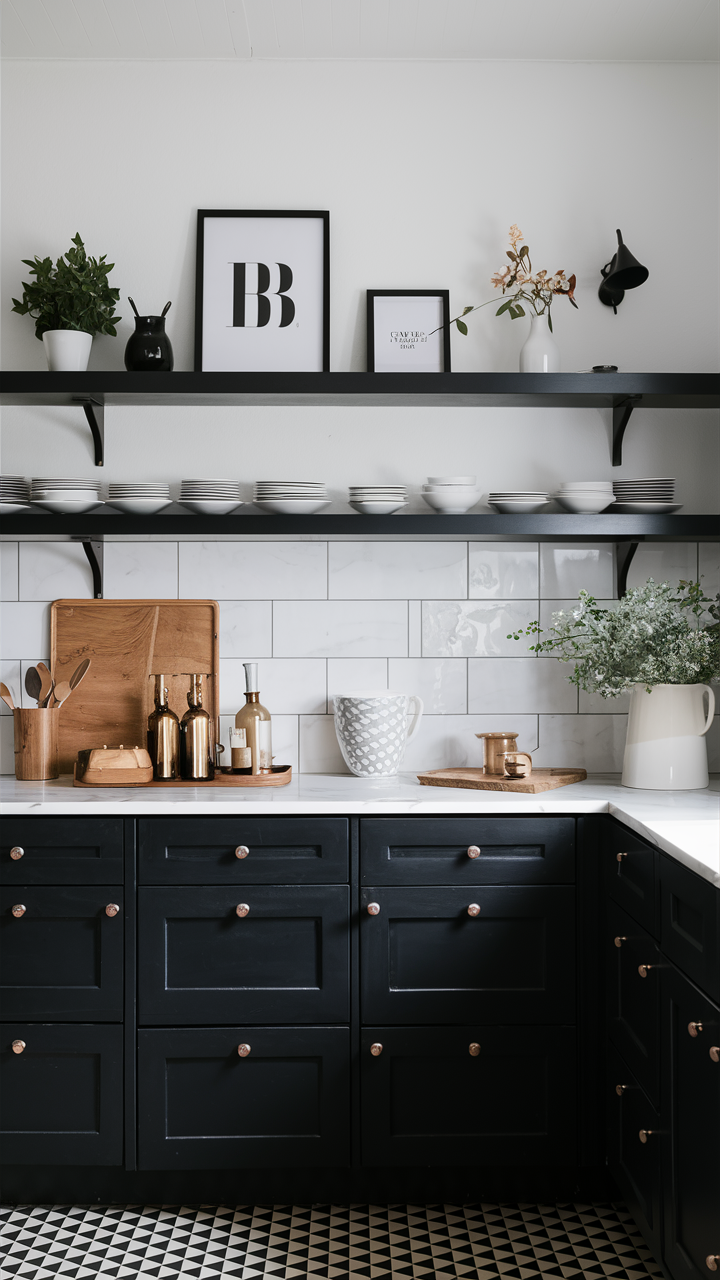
(481, 1242)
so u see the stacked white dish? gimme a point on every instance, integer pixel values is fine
(451, 495)
(518, 502)
(652, 496)
(587, 496)
(139, 498)
(67, 495)
(210, 497)
(14, 495)
(377, 499)
(290, 497)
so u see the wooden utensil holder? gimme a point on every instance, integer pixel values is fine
(36, 743)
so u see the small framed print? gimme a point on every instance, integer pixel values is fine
(408, 331)
(262, 291)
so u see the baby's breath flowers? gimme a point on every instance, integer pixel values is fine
(653, 637)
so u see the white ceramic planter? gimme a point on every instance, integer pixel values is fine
(540, 353)
(67, 350)
(372, 730)
(665, 748)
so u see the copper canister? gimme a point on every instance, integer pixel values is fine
(494, 747)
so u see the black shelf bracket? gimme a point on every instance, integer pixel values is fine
(93, 548)
(95, 414)
(624, 557)
(621, 416)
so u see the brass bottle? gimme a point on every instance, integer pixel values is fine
(163, 735)
(196, 761)
(256, 720)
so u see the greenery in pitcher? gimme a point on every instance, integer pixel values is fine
(654, 636)
(73, 293)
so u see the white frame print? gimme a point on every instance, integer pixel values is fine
(408, 331)
(262, 291)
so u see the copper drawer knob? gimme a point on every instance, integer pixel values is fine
(373, 909)
(715, 1052)
(474, 1050)
(694, 1029)
(112, 909)
(620, 1089)
(619, 941)
(18, 1046)
(473, 851)
(242, 909)
(473, 909)
(17, 853)
(242, 851)
(644, 969)
(711, 1262)
(644, 1134)
(19, 910)
(376, 1050)
(619, 857)
(243, 1050)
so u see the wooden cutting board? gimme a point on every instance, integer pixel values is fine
(128, 641)
(476, 779)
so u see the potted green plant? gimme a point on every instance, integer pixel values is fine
(70, 301)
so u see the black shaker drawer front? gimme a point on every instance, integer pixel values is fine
(630, 869)
(690, 924)
(635, 1138)
(61, 851)
(634, 968)
(61, 1094)
(61, 953)
(243, 1097)
(242, 850)
(438, 955)
(270, 954)
(472, 1095)
(469, 851)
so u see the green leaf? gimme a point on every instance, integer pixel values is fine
(550, 322)
(520, 310)
(512, 256)
(465, 309)
(505, 307)
(462, 326)
(524, 252)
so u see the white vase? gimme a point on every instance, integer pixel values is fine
(372, 730)
(67, 350)
(540, 353)
(665, 748)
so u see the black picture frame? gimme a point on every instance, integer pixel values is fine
(372, 328)
(320, 323)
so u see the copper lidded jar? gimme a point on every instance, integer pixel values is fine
(495, 746)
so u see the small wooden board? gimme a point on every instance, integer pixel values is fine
(280, 776)
(478, 780)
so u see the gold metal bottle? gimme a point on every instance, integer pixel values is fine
(196, 761)
(163, 735)
(256, 720)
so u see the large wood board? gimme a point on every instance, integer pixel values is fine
(478, 780)
(280, 776)
(128, 641)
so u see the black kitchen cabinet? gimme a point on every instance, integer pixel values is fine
(690, 924)
(630, 874)
(468, 851)
(243, 850)
(233, 1097)
(635, 1140)
(634, 968)
(61, 851)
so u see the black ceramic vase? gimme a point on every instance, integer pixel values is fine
(149, 346)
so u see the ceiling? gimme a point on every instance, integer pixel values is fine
(566, 30)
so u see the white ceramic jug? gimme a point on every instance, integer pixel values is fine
(665, 748)
(373, 732)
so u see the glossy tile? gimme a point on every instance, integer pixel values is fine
(414, 628)
(506, 685)
(448, 742)
(8, 570)
(288, 686)
(253, 570)
(7, 744)
(709, 567)
(141, 571)
(441, 683)
(24, 629)
(284, 738)
(665, 562)
(11, 675)
(565, 570)
(474, 628)
(397, 570)
(245, 627)
(347, 675)
(591, 742)
(319, 749)
(340, 628)
(503, 570)
(593, 704)
(549, 607)
(54, 571)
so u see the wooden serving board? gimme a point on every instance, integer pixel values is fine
(478, 780)
(128, 641)
(280, 776)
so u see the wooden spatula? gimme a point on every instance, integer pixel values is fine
(33, 683)
(79, 673)
(6, 696)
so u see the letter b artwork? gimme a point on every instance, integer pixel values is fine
(260, 295)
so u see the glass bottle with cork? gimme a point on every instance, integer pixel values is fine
(163, 735)
(256, 720)
(196, 747)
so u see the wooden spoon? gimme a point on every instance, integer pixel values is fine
(6, 696)
(61, 693)
(48, 683)
(79, 673)
(33, 683)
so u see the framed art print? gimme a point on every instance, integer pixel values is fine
(408, 331)
(262, 291)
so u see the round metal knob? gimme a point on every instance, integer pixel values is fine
(373, 909)
(112, 909)
(18, 1046)
(619, 941)
(473, 909)
(644, 1134)
(242, 851)
(644, 969)
(619, 857)
(711, 1262)
(17, 853)
(376, 1050)
(19, 910)
(473, 851)
(715, 1052)
(694, 1029)
(243, 1050)
(473, 1050)
(620, 1089)
(242, 909)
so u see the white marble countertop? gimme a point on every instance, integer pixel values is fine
(685, 824)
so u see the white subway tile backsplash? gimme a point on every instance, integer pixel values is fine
(24, 629)
(288, 686)
(709, 567)
(351, 675)
(397, 570)
(141, 571)
(665, 562)
(565, 570)
(8, 570)
(7, 744)
(549, 607)
(284, 739)
(54, 571)
(340, 628)
(414, 628)
(441, 683)
(245, 627)
(507, 685)
(447, 742)
(319, 749)
(11, 675)
(595, 743)
(253, 570)
(594, 704)
(475, 628)
(503, 570)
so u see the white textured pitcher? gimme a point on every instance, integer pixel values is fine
(665, 748)
(372, 730)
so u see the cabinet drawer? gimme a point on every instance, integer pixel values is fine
(424, 959)
(690, 924)
(63, 958)
(203, 1106)
(243, 850)
(634, 999)
(630, 874)
(62, 851)
(61, 1098)
(285, 960)
(635, 1164)
(427, 1100)
(435, 850)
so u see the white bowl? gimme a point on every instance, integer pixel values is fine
(61, 508)
(451, 504)
(587, 484)
(210, 506)
(12, 508)
(65, 495)
(463, 480)
(379, 508)
(509, 508)
(293, 506)
(588, 502)
(139, 506)
(453, 493)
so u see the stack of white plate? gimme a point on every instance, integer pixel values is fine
(450, 495)
(588, 496)
(377, 499)
(513, 502)
(67, 495)
(653, 496)
(139, 498)
(290, 497)
(14, 494)
(210, 497)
